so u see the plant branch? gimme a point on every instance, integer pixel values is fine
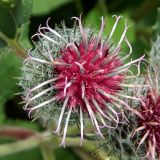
(37, 141)
(47, 142)
(83, 154)
(14, 45)
(47, 152)
(19, 146)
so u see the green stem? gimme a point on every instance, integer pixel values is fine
(19, 146)
(47, 153)
(39, 140)
(47, 143)
(14, 45)
(83, 154)
(18, 49)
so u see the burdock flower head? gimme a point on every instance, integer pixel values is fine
(149, 123)
(148, 126)
(77, 73)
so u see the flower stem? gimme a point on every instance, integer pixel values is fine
(19, 146)
(38, 141)
(47, 153)
(47, 142)
(20, 51)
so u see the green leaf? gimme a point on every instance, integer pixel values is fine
(7, 23)
(45, 6)
(13, 15)
(24, 38)
(9, 68)
(9, 65)
(22, 11)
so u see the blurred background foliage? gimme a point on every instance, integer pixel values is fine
(20, 19)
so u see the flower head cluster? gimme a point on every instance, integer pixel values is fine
(77, 72)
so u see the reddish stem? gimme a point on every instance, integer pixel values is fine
(15, 132)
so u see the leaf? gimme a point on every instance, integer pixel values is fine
(45, 6)
(9, 68)
(22, 11)
(7, 23)
(24, 38)
(13, 16)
